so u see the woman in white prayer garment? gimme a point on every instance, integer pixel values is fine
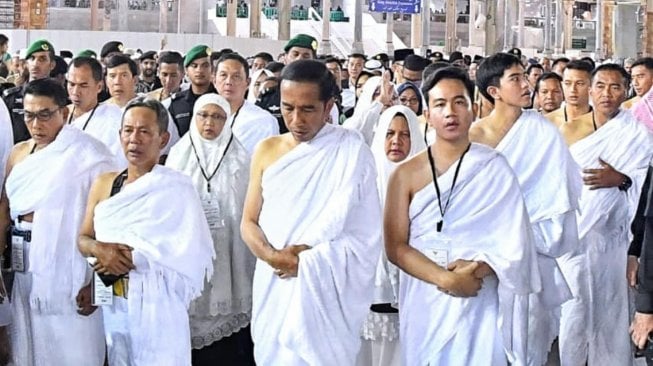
(219, 167)
(397, 138)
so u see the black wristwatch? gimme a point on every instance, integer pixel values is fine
(625, 184)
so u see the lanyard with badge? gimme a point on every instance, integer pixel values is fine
(210, 202)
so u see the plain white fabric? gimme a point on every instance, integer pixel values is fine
(315, 318)
(104, 125)
(251, 124)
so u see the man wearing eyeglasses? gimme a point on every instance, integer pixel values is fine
(40, 61)
(48, 181)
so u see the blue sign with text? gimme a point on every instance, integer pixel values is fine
(395, 6)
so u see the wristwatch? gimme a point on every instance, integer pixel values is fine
(625, 184)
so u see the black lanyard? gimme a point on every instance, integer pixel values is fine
(33, 149)
(233, 120)
(453, 184)
(207, 177)
(70, 119)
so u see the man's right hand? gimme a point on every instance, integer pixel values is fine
(462, 281)
(113, 259)
(286, 260)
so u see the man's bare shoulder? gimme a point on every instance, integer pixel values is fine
(557, 117)
(479, 130)
(577, 129)
(102, 185)
(271, 149)
(20, 152)
(414, 173)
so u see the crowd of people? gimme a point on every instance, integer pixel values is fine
(201, 207)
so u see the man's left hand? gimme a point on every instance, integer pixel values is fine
(605, 177)
(84, 301)
(640, 328)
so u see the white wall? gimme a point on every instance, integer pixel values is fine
(78, 40)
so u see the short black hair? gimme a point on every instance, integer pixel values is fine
(3, 39)
(235, 57)
(580, 65)
(613, 67)
(151, 104)
(491, 70)
(533, 66)
(50, 88)
(265, 56)
(589, 61)
(60, 67)
(357, 55)
(93, 64)
(449, 73)
(274, 66)
(559, 60)
(311, 71)
(647, 62)
(117, 60)
(431, 68)
(547, 76)
(332, 60)
(172, 57)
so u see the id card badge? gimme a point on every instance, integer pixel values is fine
(102, 295)
(212, 212)
(18, 253)
(439, 252)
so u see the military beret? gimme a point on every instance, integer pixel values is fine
(401, 54)
(303, 41)
(437, 56)
(111, 47)
(196, 52)
(39, 46)
(87, 53)
(455, 56)
(149, 55)
(65, 54)
(515, 52)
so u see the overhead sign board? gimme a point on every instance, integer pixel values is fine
(396, 6)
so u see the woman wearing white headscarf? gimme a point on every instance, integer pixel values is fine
(377, 95)
(219, 168)
(255, 84)
(397, 138)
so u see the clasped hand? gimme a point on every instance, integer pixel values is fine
(605, 177)
(113, 258)
(464, 278)
(286, 261)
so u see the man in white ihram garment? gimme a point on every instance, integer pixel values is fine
(614, 158)
(48, 181)
(143, 229)
(456, 224)
(311, 216)
(102, 121)
(398, 138)
(551, 184)
(219, 167)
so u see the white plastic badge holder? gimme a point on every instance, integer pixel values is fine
(439, 251)
(102, 295)
(212, 212)
(18, 253)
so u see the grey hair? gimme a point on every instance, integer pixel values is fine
(153, 105)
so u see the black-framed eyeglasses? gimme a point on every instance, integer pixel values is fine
(43, 115)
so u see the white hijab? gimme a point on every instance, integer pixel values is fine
(384, 166)
(255, 76)
(230, 288)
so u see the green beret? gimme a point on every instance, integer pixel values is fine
(303, 41)
(38, 46)
(87, 53)
(196, 52)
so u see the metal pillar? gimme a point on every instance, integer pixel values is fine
(325, 44)
(357, 46)
(450, 41)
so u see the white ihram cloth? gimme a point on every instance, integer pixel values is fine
(251, 124)
(367, 111)
(6, 144)
(486, 221)
(321, 193)
(380, 332)
(157, 215)
(53, 183)
(104, 125)
(595, 324)
(226, 302)
(551, 184)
